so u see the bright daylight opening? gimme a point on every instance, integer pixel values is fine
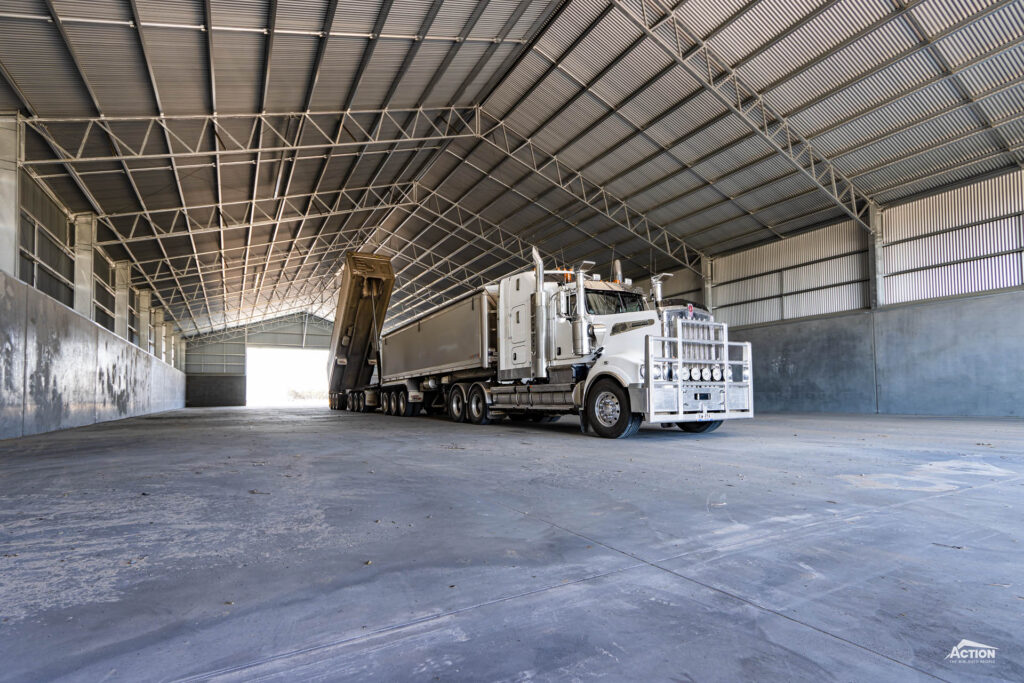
(279, 377)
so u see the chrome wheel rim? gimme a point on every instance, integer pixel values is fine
(607, 408)
(401, 404)
(476, 406)
(457, 405)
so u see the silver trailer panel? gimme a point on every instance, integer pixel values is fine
(456, 337)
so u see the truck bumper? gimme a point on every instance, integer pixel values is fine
(696, 347)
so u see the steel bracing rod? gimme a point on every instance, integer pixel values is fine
(944, 66)
(368, 52)
(94, 99)
(556, 13)
(640, 128)
(431, 85)
(689, 99)
(264, 91)
(685, 139)
(314, 79)
(215, 136)
(224, 163)
(161, 234)
(144, 46)
(176, 219)
(500, 135)
(467, 28)
(777, 203)
(721, 81)
(553, 11)
(536, 83)
(424, 125)
(317, 293)
(234, 28)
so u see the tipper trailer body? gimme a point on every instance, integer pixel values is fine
(524, 349)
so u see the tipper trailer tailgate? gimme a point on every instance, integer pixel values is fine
(366, 284)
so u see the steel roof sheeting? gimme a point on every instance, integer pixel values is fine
(904, 97)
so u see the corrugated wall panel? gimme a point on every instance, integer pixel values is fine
(833, 240)
(846, 297)
(959, 278)
(768, 310)
(970, 204)
(942, 241)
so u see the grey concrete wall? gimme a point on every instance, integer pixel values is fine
(204, 391)
(60, 370)
(816, 365)
(962, 356)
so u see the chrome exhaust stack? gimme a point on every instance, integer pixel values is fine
(540, 317)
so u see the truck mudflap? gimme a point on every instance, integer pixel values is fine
(695, 375)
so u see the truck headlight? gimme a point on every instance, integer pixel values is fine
(695, 374)
(705, 374)
(716, 374)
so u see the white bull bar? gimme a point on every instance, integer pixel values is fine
(697, 344)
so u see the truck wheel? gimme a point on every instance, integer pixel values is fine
(699, 427)
(361, 403)
(391, 403)
(404, 407)
(608, 410)
(476, 406)
(457, 404)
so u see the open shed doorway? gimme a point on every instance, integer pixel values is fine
(285, 376)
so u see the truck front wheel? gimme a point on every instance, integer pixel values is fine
(608, 410)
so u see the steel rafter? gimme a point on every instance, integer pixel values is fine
(716, 77)
(139, 137)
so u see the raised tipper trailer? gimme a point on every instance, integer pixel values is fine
(526, 348)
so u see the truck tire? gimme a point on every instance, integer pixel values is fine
(404, 408)
(608, 410)
(457, 403)
(699, 427)
(391, 403)
(476, 406)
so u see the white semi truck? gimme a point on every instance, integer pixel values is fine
(537, 345)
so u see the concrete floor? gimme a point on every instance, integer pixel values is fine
(239, 544)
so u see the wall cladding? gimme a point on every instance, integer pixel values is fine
(60, 370)
(969, 239)
(819, 272)
(947, 357)
(204, 391)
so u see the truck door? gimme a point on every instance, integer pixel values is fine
(516, 318)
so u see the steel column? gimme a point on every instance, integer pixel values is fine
(85, 241)
(122, 283)
(10, 148)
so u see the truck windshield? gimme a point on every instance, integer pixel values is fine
(609, 303)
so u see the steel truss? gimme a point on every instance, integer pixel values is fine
(84, 139)
(138, 226)
(715, 76)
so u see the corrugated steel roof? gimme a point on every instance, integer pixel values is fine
(904, 97)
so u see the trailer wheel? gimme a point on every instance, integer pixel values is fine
(699, 427)
(476, 406)
(405, 408)
(457, 403)
(391, 403)
(360, 402)
(608, 410)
